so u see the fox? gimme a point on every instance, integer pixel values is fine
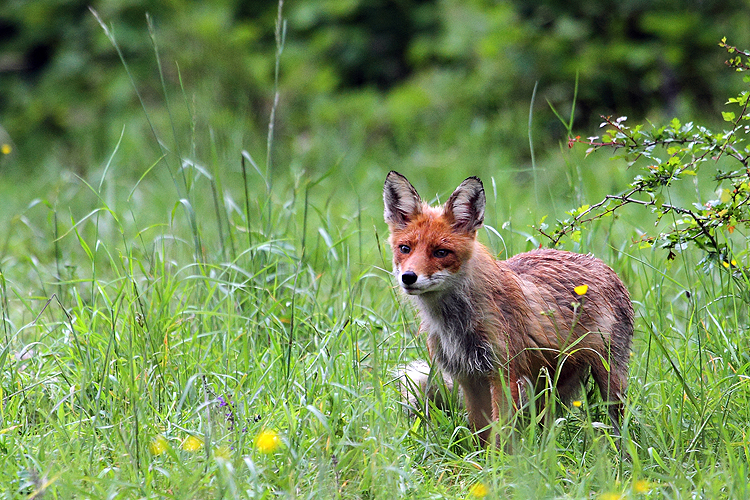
(493, 326)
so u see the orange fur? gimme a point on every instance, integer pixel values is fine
(492, 325)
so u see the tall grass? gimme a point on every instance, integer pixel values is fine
(150, 335)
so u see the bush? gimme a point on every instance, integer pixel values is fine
(667, 156)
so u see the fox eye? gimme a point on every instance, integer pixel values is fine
(441, 252)
(404, 248)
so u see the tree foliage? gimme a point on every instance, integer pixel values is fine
(405, 71)
(667, 156)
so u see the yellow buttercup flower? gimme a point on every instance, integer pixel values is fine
(642, 486)
(577, 403)
(192, 443)
(581, 289)
(6, 149)
(610, 496)
(267, 441)
(479, 490)
(158, 445)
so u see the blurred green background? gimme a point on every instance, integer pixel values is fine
(360, 81)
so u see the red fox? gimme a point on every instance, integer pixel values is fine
(492, 325)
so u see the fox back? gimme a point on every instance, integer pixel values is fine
(495, 325)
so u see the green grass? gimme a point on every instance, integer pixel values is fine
(213, 299)
(118, 332)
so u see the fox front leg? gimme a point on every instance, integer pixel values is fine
(506, 397)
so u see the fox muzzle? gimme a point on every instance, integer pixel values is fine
(408, 278)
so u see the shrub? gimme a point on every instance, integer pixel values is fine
(665, 157)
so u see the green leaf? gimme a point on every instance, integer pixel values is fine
(659, 200)
(728, 116)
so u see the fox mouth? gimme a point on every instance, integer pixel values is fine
(422, 286)
(423, 289)
(413, 290)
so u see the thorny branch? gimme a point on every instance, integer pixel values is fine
(673, 152)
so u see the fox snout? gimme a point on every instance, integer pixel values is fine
(419, 283)
(411, 283)
(408, 278)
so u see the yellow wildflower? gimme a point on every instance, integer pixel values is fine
(5, 149)
(267, 441)
(581, 289)
(158, 445)
(610, 496)
(577, 403)
(641, 486)
(478, 490)
(192, 443)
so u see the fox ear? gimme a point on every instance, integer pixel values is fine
(466, 205)
(400, 199)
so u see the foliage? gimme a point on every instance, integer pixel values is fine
(396, 72)
(667, 156)
(634, 58)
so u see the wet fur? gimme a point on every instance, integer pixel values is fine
(492, 326)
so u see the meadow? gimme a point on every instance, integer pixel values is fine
(224, 325)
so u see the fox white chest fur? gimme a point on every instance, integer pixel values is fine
(491, 324)
(453, 323)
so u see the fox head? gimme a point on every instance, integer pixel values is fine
(431, 245)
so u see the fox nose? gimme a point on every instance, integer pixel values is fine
(409, 278)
